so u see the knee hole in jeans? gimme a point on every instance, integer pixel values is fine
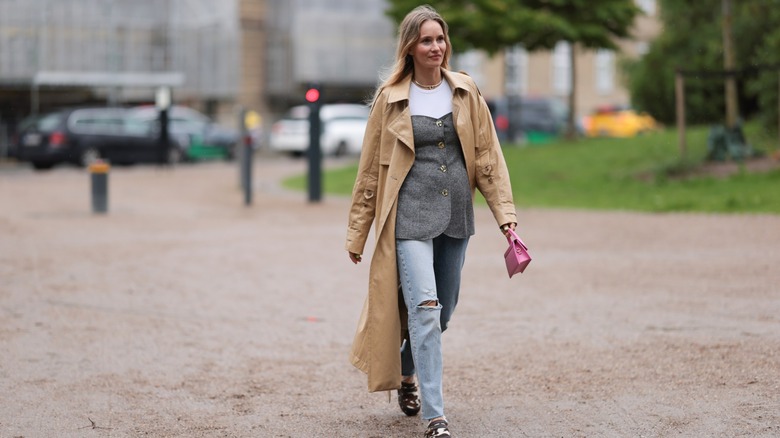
(429, 303)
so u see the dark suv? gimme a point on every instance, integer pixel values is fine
(527, 119)
(199, 137)
(83, 135)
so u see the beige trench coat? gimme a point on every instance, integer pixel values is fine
(387, 157)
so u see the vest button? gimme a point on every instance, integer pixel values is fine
(443, 168)
(445, 192)
(441, 145)
(439, 123)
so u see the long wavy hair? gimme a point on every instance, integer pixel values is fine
(408, 36)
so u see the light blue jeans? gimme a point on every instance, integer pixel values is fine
(429, 271)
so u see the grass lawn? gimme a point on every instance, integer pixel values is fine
(622, 174)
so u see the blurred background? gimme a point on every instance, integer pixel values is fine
(599, 68)
(256, 54)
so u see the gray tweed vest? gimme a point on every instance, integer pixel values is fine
(435, 197)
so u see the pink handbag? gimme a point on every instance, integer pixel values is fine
(516, 256)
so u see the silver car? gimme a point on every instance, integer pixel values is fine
(343, 127)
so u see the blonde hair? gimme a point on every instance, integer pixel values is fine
(408, 36)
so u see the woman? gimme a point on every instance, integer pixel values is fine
(429, 143)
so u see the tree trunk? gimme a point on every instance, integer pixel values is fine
(679, 97)
(732, 111)
(571, 125)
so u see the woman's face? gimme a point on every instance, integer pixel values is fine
(429, 50)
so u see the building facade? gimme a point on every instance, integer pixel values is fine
(599, 81)
(340, 45)
(56, 53)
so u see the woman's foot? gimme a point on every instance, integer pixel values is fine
(437, 428)
(408, 399)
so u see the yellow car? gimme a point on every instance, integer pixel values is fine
(617, 122)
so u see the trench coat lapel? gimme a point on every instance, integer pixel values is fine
(400, 164)
(461, 121)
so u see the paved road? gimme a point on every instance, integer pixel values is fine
(183, 313)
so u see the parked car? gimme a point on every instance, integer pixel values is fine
(617, 122)
(198, 136)
(15, 137)
(528, 119)
(343, 127)
(83, 135)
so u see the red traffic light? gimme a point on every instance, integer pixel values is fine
(312, 95)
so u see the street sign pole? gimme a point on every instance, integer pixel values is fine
(163, 104)
(246, 152)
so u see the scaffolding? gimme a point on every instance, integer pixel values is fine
(340, 44)
(197, 39)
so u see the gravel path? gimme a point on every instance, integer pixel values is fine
(183, 313)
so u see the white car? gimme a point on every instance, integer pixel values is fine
(343, 127)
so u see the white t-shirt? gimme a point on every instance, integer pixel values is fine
(434, 103)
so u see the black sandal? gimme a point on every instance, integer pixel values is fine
(438, 429)
(408, 399)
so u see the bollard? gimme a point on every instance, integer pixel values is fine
(98, 171)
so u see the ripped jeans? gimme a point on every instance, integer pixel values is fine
(429, 272)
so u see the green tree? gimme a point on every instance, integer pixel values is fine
(692, 40)
(765, 86)
(493, 25)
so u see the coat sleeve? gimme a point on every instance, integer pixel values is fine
(492, 176)
(363, 208)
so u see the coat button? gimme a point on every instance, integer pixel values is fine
(445, 192)
(443, 168)
(441, 145)
(439, 123)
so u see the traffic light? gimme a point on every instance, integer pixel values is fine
(315, 154)
(313, 94)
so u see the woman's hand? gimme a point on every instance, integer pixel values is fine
(506, 227)
(356, 258)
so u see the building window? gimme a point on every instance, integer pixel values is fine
(562, 68)
(516, 71)
(605, 71)
(648, 6)
(471, 62)
(642, 47)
